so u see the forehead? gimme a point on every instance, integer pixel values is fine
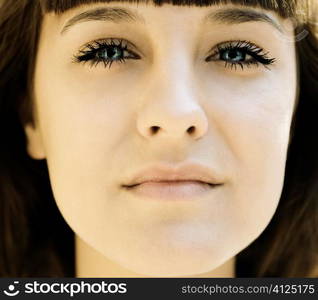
(66, 13)
(284, 8)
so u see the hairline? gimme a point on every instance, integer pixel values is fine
(283, 8)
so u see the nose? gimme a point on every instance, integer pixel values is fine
(170, 106)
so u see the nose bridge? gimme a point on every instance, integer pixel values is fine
(173, 57)
(172, 71)
(172, 79)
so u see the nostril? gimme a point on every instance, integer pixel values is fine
(191, 129)
(154, 129)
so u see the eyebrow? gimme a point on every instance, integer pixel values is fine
(241, 15)
(122, 15)
(107, 14)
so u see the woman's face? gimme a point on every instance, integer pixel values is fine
(216, 76)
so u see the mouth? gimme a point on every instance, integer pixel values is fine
(165, 182)
(172, 189)
(170, 182)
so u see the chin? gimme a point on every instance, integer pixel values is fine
(163, 263)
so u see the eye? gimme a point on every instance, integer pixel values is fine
(105, 51)
(240, 53)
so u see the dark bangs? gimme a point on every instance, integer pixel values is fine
(285, 8)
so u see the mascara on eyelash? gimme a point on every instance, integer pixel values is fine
(94, 47)
(242, 45)
(251, 49)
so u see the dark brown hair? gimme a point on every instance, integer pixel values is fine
(35, 240)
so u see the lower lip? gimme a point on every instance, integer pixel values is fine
(177, 190)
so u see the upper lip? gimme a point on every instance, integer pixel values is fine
(185, 172)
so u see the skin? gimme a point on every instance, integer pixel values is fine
(92, 128)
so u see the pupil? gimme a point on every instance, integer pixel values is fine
(110, 53)
(234, 55)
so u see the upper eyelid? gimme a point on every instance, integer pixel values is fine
(238, 44)
(130, 45)
(133, 47)
(252, 48)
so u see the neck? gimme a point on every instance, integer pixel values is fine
(91, 263)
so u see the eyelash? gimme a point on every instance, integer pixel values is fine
(94, 49)
(257, 54)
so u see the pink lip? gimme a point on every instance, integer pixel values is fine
(186, 181)
(185, 172)
(172, 190)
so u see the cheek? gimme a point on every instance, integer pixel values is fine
(253, 119)
(83, 130)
